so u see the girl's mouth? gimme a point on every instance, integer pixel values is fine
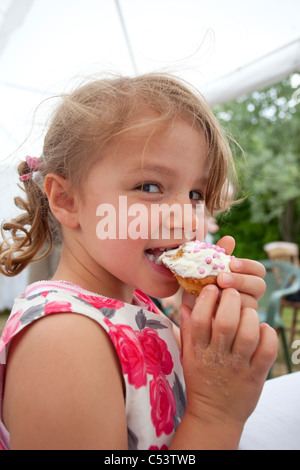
(153, 254)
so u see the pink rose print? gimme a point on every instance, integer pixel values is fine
(58, 307)
(157, 356)
(10, 328)
(130, 353)
(163, 406)
(144, 298)
(99, 302)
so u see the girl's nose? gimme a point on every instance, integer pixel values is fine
(186, 221)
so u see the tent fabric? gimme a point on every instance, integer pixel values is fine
(259, 74)
(222, 48)
(47, 47)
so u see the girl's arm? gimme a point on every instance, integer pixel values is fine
(226, 358)
(64, 388)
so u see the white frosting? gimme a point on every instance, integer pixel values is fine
(198, 260)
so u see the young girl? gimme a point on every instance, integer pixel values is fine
(87, 361)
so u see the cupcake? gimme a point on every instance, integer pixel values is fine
(196, 264)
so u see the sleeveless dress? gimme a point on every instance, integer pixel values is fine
(145, 345)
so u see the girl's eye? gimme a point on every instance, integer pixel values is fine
(196, 196)
(149, 188)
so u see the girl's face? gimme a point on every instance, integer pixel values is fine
(124, 217)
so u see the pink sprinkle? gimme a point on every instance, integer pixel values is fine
(216, 255)
(208, 260)
(215, 266)
(202, 271)
(222, 266)
(197, 249)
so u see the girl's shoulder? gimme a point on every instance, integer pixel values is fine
(46, 298)
(61, 363)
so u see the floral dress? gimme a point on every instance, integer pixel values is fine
(144, 342)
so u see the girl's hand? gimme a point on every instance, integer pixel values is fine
(246, 276)
(226, 355)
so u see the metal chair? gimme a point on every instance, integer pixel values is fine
(281, 279)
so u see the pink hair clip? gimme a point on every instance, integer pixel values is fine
(33, 164)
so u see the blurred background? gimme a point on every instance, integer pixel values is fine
(243, 56)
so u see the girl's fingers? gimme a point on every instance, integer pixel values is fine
(228, 243)
(247, 266)
(248, 301)
(266, 352)
(247, 338)
(246, 283)
(227, 320)
(188, 299)
(202, 315)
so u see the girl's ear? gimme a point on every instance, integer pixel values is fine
(62, 201)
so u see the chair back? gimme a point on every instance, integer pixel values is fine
(283, 251)
(281, 279)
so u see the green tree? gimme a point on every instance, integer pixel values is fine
(266, 124)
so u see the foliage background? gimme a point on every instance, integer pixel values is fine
(266, 125)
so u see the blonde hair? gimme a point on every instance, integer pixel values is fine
(85, 120)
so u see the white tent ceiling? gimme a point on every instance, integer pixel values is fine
(223, 47)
